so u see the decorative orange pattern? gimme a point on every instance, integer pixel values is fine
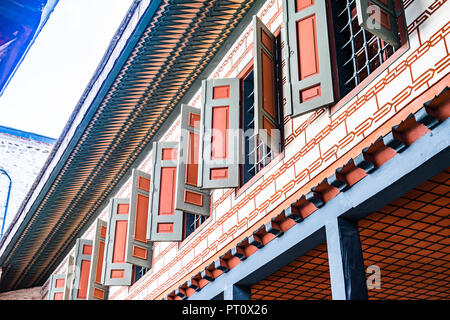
(314, 154)
(365, 126)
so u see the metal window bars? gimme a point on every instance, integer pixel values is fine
(260, 155)
(257, 154)
(359, 52)
(193, 221)
(139, 273)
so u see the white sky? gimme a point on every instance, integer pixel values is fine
(53, 75)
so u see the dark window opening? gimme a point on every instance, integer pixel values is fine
(139, 273)
(358, 52)
(257, 154)
(192, 222)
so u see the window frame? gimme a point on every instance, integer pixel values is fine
(279, 100)
(341, 101)
(185, 240)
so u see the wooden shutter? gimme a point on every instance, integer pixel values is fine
(166, 223)
(266, 111)
(116, 272)
(309, 62)
(139, 249)
(189, 197)
(220, 144)
(379, 18)
(82, 265)
(69, 275)
(97, 291)
(56, 289)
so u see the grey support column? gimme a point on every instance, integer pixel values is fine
(347, 275)
(237, 292)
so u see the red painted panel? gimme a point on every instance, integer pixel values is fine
(139, 252)
(268, 84)
(140, 225)
(192, 161)
(307, 47)
(383, 18)
(267, 41)
(194, 120)
(58, 296)
(59, 283)
(117, 274)
(103, 231)
(99, 294)
(303, 4)
(120, 241)
(221, 92)
(167, 191)
(101, 252)
(144, 183)
(165, 227)
(219, 139)
(84, 279)
(123, 208)
(193, 198)
(169, 154)
(218, 173)
(310, 93)
(87, 249)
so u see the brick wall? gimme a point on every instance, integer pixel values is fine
(22, 158)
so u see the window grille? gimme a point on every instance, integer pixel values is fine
(358, 52)
(257, 154)
(192, 222)
(139, 272)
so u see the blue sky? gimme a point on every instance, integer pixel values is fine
(48, 84)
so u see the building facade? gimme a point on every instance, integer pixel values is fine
(22, 155)
(250, 149)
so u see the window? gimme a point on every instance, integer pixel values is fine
(350, 37)
(56, 287)
(248, 107)
(192, 222)
(260, 103)
(97, 291)
(115, 270)
(138, 273)
(256, 153)
(358, 52)
(82, 265)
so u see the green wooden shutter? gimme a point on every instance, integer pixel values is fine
(97, 291)
(189, 197)
(309, 63)
(82, 266)
(56, 288)
(116, 272)
(266, 101)
(220, 145)
(139, 249)
(379, 18)
(69, 275)
(166, 223)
